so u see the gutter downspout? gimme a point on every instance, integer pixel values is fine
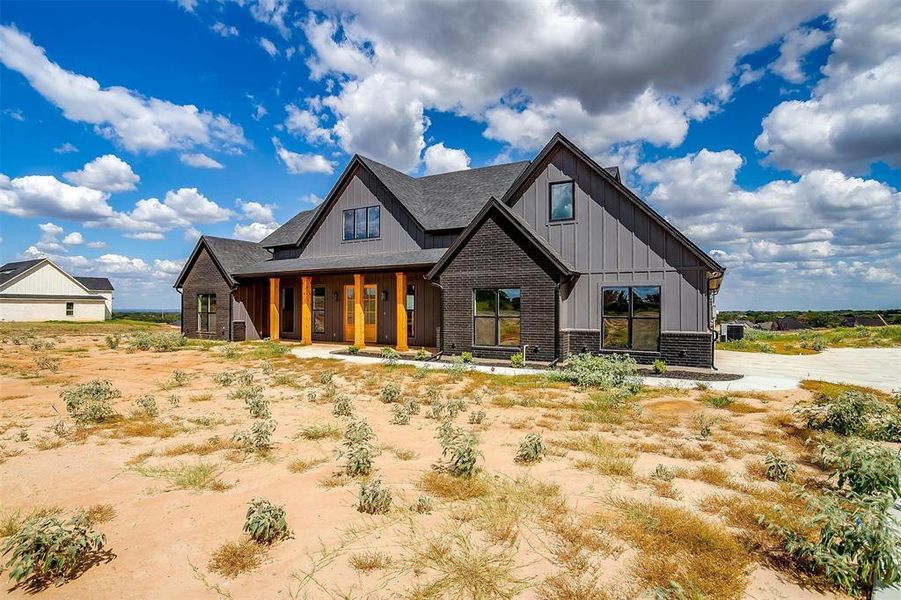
(712, 291)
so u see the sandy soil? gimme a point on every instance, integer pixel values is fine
(163, 537)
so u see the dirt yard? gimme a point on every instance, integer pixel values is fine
(598, 517)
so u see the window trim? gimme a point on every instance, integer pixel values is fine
(318, 310)
(497, 319)
(70, 309)
(206, 312)
(631, 317)
(353, 211)
(411, 312)
(550, 211)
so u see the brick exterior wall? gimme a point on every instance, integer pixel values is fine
(205, 278)
(493, 258)
(677, 348)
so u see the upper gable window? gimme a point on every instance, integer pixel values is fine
(561, 201)
(362, 223)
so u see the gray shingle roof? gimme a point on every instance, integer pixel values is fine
(14, 269)
(410, 258)
(448, 200)
(290, 231)
(96, 283)
(235, 254)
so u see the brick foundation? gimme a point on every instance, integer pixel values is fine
(677, 348)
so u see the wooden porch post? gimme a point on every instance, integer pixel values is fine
(274, 324)
(401, 312)
(359, 316)
(306, 310)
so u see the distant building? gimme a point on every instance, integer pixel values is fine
(863, 321)
(790, 324)
(39, 290)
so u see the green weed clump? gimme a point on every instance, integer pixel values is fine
(157, 342)
(258, 438)
(46, 549)
(853, 412)
(90, 402)
(344, 406)
(659, 366)
(358, 448)
(390, 392)
(373, 499)
(517, 361)
(476, 417)
(587, 370)
(531, 449)
(390, 356)
(399, 415)
(147, 405)
(778, 467)
(863, 467)
(458, 451)
(265, 522)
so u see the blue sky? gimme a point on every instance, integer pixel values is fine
(772, 138)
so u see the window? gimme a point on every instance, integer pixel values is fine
(319, 309)
(287, 309)
(410, 304)
(496, 317)
(70, 309)
(561, 200)
(206, 313)
(362, 223)
(631, 318)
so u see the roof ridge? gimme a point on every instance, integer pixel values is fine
(482, 168)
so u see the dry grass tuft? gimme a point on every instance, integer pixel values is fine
(100, 513)
(712, 474)
(233, 558)
(604, 457)
(11, 521)
(369, 561)
(448, 487)
(197, 477)
(213, 444)
(302, 465)
(320, 432)
(200, 397)
(675, 546)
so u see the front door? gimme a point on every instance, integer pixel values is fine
(370, 312)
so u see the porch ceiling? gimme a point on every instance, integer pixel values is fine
(383, 261)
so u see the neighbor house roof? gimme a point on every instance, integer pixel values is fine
(410, 258)
(96, 284)
(228, 254)
(14, 269)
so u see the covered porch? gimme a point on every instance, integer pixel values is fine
(363, 308)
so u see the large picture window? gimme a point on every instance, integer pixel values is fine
(410, 304)
(319, 309)
(631, 318)
(496, 317)
(362, 223)
(562, 204)
(206, 313)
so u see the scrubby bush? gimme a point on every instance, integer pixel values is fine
(258, 438)
(588, 370)
(157, 342)
(436, 410)
(390, 392)
(848, 413)
(517, 361)
(659, 366)
(390, 356)
(663, 473)
(455, 407)
(113, 340)
(863, 467)
(326, 377)
(90, 402)
(721, 401)
(851, 540)
(531, 449)
(424, 505)
(147, 405)
(344, 406)
(422, 354)
(458, 451)
(358, 448)
(46, 363)
(256, 404)
(476, 417)
(47, 549)
(399, 415)
(178, 378)
(230, 351)
(353, 350)
(265, 522)
(466, 357)
(704, 425)
(778, 467)
(373, 499)
(411, 405)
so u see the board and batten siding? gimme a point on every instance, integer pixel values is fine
(39, 309)
(612, 241)
(47, 280)
(398, 231)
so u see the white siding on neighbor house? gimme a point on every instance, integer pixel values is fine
(50, 310)
(108, 296)
(47, 279)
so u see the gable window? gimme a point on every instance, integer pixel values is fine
(631, 318)
(562, 205)
(410, 304)
(496, 317)
(70, 309)
(319, 309)
(362, 223)
(206, 313)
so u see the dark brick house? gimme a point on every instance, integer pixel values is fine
(553, 257)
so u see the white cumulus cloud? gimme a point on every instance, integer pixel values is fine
(297, 163)
(107, 173)
(440, 159)
(200, 161)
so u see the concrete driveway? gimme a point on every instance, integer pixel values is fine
(879, 368)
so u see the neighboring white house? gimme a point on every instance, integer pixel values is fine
(38, 290)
